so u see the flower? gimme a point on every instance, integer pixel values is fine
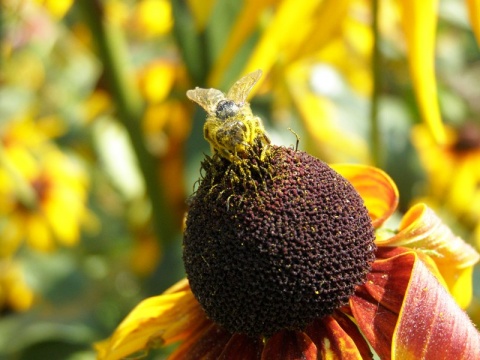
(453, 172)
(43, 191)
(15, 293)
(393, 299)
(281, 257)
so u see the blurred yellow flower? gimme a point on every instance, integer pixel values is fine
(15, 294)
(145, 255)
(453, 171)
(57, 8)
(419, 20)
(152, 17)
(157, 79)
(166, 126)
(474, 13)
(97, 104)
(319, 115)
(117, 12)
(42, 191)
(201, 10)
(293, 41)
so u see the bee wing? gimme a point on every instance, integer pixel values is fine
(239, 91)
(206, 98)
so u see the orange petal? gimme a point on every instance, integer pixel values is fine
(242, 347)
(423, 230)
(377, 189)
(156, 321)
(419, 20)
(289, 345)
(338, 338)
(431, 325)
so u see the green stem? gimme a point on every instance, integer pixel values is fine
(129, 109)
(375, 138)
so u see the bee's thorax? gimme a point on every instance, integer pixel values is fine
(226, 109)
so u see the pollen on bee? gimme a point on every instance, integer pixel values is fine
(231, 128)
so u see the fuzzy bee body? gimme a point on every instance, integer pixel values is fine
(230, 128)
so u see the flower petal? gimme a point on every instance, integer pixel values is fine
(242, 347)
(474, 13)
(337, 338)
(422, 229)
(201, 11)
(431, 325)
(245, 25)
(207, 344)
(405, 313)
(377, 303)
(289, 345)
(376, 322)
(285, 31)
(156, 321)
(375, 187)
(331, 14)
(419, 20)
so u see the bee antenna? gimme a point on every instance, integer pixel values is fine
(296, 135)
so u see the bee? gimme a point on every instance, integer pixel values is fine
(231, 128)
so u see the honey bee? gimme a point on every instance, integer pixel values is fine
(230, 128)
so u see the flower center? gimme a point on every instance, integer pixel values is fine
(275, 244)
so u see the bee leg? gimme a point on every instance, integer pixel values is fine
(235, 158)
(264, 152)
(266, 139)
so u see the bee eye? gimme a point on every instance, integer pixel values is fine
(226, 109)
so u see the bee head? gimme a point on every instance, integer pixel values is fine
(226, 109)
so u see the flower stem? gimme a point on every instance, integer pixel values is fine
(375, 138)
(129, 109)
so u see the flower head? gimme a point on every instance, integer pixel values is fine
(279, 251)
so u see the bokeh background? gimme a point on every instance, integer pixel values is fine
(100, 148)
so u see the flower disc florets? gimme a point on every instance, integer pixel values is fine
(275, 241)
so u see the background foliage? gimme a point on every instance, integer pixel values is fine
(100, 147)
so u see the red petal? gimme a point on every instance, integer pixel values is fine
(208, 344)
(377, 303)
(422, 229)
(388, 280)
(431, 325)
(242, 347)
(402, 308)
(289, 345)
(387, 252)
(338, 338)
(376, 322)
